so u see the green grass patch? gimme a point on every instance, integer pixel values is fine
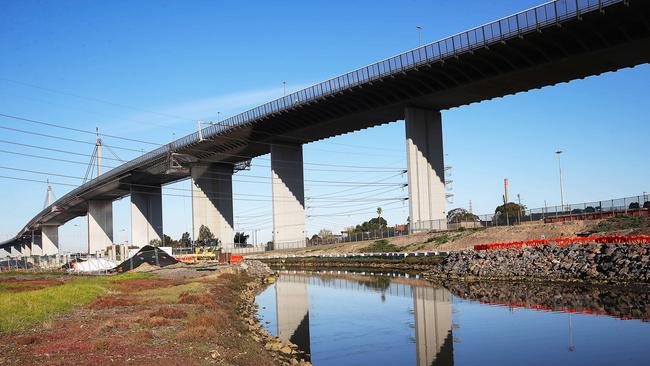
(19, 310)
(380, 246)
(22, 309)
(439, 239)
(171, 294)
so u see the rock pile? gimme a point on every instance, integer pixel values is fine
(255, 268)
(628, 263)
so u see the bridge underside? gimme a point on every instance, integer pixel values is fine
(600, 42)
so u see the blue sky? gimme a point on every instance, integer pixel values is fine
(150, 69)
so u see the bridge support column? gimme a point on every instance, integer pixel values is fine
(49, 239)
(146, 215)
(426, 169)
(37, 243)
(100, 225)
(212, 204)
(26, 249)
(288, 196)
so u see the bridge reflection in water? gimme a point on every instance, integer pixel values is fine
(431, 310)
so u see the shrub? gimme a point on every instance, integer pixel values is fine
(379, 246)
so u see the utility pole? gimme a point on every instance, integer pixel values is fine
(519, 209)
(470, 206)
(505, 210)
(98, 144)
(559, 164)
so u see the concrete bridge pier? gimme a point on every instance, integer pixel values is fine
(288, 188)
(26, 249)
(212, 203)
(146, 215)
(426, 169)
(37, 242)
(50, 239)
(100, 225)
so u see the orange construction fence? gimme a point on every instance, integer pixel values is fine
(637, 239)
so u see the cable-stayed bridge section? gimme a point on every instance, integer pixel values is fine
(552, 43)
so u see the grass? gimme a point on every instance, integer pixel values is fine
(622, 223)
(380, 246)
(19, 310)
(439, 240)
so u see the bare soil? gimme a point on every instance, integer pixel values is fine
(454, 240)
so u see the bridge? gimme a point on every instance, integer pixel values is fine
(552, 43)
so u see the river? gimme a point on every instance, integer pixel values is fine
(345, 319)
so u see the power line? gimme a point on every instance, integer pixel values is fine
(179, 189)
(65, 138)
(94, 133)
(140, 192)
(363, 168)
(55, 150)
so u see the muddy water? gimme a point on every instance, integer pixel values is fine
(390, 319)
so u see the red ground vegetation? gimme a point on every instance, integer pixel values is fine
(131, 328)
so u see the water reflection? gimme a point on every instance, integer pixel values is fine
(415, 322)
(292, 310)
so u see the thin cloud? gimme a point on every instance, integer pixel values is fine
(185, 114)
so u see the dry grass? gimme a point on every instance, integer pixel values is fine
(194, 332)
(169, 313)
(154, 321)
(165, 323)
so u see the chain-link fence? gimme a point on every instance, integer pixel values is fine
(49, 262)
(514, 214)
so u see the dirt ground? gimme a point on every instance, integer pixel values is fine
(455, 240)
(182, 317)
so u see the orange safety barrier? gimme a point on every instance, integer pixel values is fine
(618, 239)
(236, 259)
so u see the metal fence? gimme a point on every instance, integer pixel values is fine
(42, 262)
(633, 205)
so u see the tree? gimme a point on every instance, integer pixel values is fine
(241, 238)
(461, 215)
(325, 234)
(185, 240)
(379, 211)
(205, 235)
(375, 223)
(508, 212)
(166, 241)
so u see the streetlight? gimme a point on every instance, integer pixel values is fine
(559, 164)
(284, 88)
(419, 35)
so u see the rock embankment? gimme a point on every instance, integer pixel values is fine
(612, 263)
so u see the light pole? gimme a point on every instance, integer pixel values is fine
(419, 35)
(284, 88)
(559, 164)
